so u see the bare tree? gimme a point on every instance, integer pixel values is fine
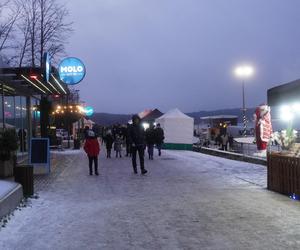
(27, 29)
(3, 23)
(24, 46)
(43, 27)
(8, 18)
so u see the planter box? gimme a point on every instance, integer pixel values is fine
(283, 174)
(7, 168)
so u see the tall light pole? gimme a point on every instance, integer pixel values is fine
(244, 72)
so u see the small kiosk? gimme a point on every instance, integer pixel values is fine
(284, 165)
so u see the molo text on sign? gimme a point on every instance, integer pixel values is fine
(71, 69)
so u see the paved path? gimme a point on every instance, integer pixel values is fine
(187, 201)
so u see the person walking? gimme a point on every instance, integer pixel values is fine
(92, 149)
(224, 141)
(109, 140)
(137, 140)
(103, 134)
(159, 137)
(150, 140)
(128, 145)
(86, 131)
(22, 138)
(118, 146)
(230, 142)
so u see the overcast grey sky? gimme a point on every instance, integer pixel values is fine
(181, 53)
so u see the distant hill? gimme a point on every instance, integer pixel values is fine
(106, 119)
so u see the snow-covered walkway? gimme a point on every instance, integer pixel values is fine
(187, 201)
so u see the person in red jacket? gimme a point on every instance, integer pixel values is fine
(92, 149)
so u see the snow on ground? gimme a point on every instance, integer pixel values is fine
(187, 201)
(246, 140)
(66, 151)
(252, 173)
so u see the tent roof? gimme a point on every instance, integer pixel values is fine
(175, 113)
(285, 93)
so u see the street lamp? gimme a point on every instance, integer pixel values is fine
(244, 72)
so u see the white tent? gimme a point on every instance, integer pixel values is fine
(178, 129)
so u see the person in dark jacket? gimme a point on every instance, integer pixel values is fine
(150, 140)
(128, 144)
(92, 149)
(86, 131)
(109, 140)
(137, 140)
(159, 137)
(22, 138)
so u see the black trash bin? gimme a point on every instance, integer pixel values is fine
(24, 175)
(76, 144)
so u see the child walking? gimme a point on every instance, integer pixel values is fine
(92, 149)
(118, 146)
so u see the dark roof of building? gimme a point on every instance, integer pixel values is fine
(151, 116)
(285, 93)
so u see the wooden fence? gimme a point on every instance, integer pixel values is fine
(283, 174)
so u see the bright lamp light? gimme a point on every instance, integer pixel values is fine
(286, 113)
(296, 107)
(146, 125)
(244, 71)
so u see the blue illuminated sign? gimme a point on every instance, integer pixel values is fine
(46, 64)
(89, 111)
(37, 114)
(71, 70)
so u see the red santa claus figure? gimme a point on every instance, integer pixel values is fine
(263, 128)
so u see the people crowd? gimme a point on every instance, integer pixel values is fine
(133, 137)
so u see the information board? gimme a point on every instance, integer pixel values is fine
(40, 152)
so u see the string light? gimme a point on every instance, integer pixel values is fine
(70, 108)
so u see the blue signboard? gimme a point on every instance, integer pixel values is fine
(37, 114)
(71, 70)
(46, 64)
(39, 152)
(89, 111)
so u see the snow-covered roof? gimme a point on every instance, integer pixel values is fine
(6, 187)
(245, 140)
(175, 113)
(219, 117)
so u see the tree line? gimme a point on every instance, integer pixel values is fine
(28, 28)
